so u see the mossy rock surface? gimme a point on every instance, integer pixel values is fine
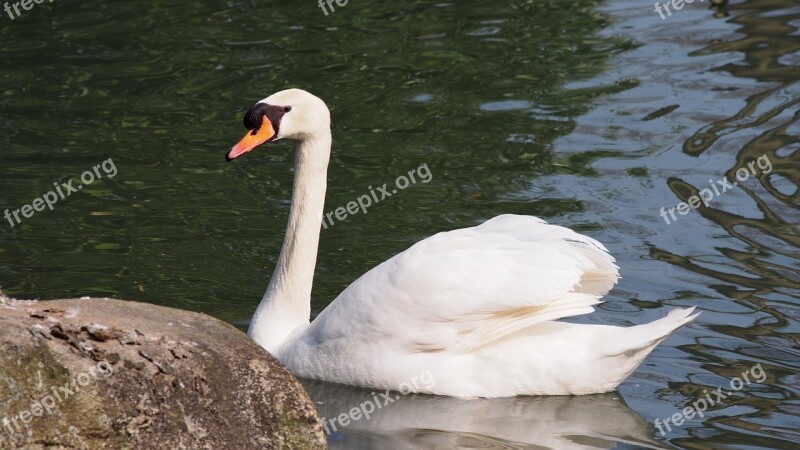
(111, 374)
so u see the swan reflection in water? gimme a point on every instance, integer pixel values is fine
(435, 422)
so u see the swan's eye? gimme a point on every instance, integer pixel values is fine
(287, 109)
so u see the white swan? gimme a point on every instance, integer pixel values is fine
(475, 308)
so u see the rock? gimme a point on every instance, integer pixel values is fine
(111, 374)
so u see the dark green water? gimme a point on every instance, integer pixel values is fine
(591, 115)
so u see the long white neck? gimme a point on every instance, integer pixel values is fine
(286, 306)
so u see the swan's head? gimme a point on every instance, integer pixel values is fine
(290, 114)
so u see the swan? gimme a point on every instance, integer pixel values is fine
(475, 308)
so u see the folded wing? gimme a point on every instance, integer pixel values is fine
(464, 289)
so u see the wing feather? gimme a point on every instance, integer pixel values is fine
(464, 289)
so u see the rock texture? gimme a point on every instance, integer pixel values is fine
(111, 374)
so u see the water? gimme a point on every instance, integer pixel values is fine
(588, 114)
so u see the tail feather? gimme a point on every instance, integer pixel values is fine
(645, 337)
(631, 346)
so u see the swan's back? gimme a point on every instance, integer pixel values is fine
(443, 289)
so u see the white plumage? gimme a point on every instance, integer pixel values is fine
(476, 307)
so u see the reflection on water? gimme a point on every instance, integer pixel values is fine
(426, 421)
(591, 115)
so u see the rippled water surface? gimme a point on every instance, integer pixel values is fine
(594, 115)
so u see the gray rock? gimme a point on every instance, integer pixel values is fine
(111, 374)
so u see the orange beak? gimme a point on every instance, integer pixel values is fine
(252, 139)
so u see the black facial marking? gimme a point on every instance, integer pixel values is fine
(253, 116)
